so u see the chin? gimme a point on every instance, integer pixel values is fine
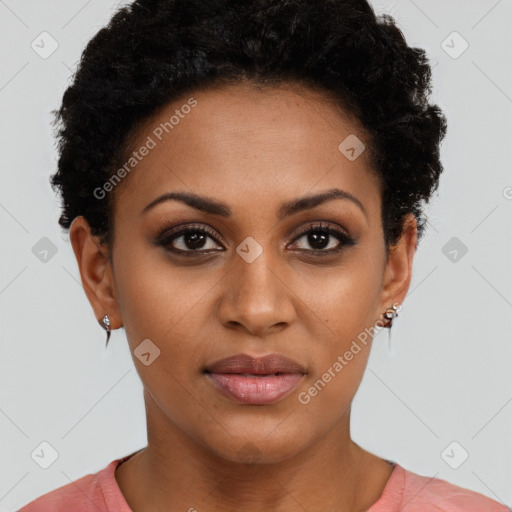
(256, 447)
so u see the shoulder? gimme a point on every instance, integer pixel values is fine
(90, 493)
(418, 493)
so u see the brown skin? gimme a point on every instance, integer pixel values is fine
(252, 150)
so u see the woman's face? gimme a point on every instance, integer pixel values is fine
(248, 278)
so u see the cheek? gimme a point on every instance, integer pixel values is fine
(343, 300)
(155, 296)
(168, 305)
(341, 320)
(160, 307)
(338, 358)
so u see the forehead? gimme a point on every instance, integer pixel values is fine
(247, 146)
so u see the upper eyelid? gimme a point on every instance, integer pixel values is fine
(319, 225)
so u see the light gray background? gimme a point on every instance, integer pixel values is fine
(450, 377)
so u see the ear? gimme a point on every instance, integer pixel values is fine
(95, 271)
(398, 272)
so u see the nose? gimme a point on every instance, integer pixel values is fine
(257, 296)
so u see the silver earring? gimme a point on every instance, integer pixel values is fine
(106, 325)
(390, 314)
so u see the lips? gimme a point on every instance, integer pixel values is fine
(266, 365)
(255, 381)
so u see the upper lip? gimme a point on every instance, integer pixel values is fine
(244, 363)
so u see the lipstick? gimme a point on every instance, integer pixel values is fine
(255, 381)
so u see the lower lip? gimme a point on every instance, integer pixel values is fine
(255, 390)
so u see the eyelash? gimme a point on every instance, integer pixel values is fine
(168, 237)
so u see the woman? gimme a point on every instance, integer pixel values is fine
(243, 185)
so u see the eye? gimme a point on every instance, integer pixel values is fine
(190, 239)
(193, 240)
(320, 238)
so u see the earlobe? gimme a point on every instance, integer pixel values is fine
(95, 271)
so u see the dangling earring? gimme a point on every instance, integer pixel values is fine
(390, 314)
(106, 325)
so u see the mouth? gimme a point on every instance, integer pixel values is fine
(255, 381)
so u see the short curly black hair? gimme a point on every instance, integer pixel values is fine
(154, 51)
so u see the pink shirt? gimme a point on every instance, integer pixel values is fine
(404, 492)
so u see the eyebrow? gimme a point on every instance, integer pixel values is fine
(213, 207)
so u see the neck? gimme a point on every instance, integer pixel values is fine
(175, 472)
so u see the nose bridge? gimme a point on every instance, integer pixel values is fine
(255, 271)
(256, 295)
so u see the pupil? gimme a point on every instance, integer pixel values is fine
(322, 239)
(194, 240)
